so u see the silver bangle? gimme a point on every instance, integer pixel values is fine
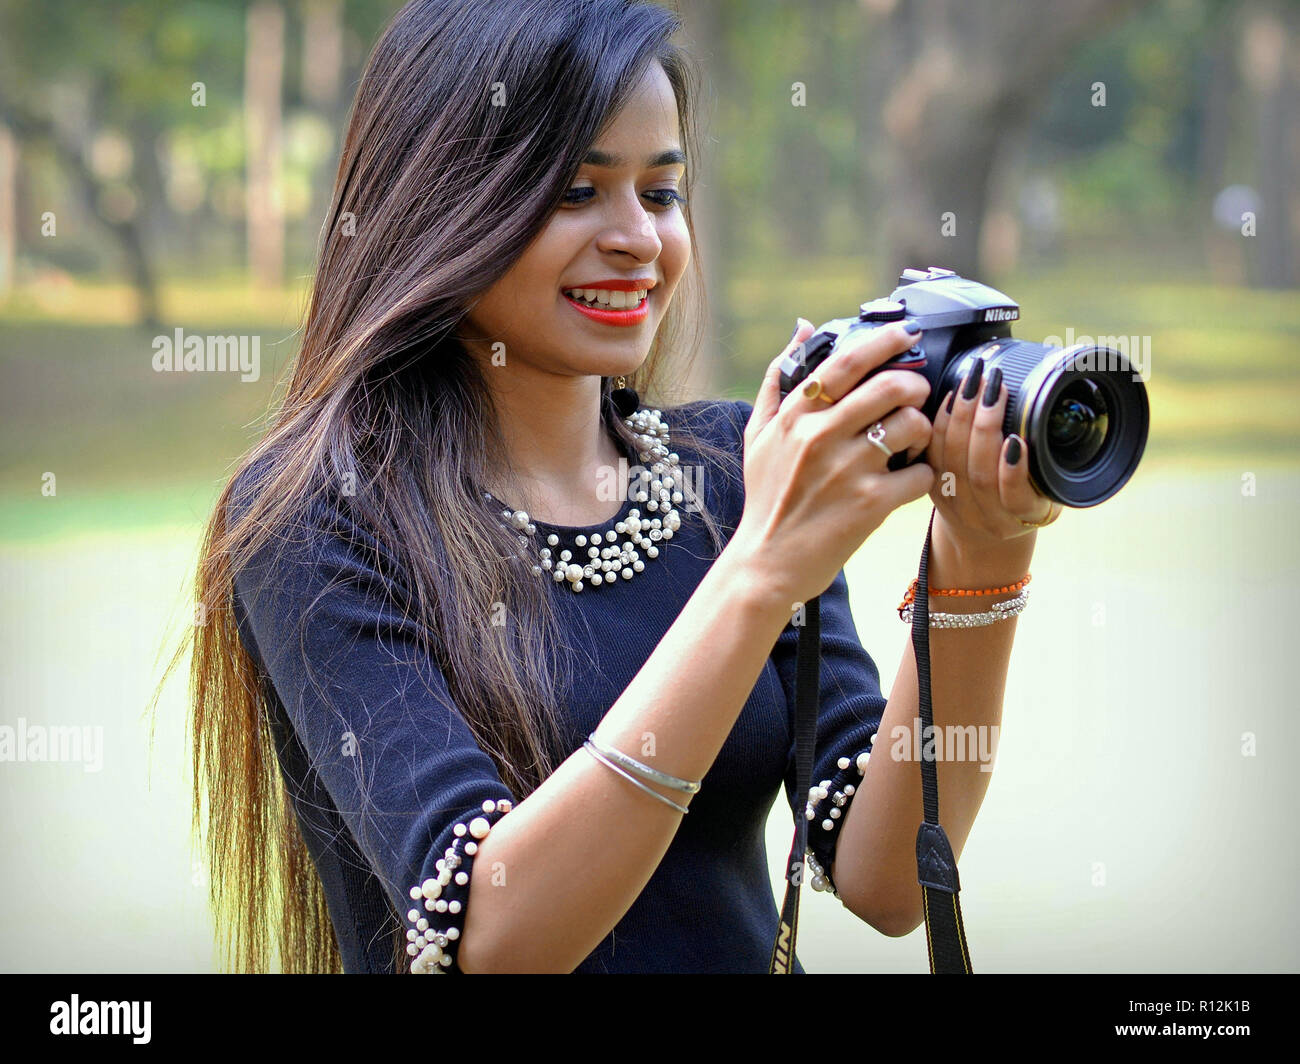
(642, 770)
(630, 778)
(999, 611)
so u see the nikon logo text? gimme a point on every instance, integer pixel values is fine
(101, 1017)
(1001, 314)
(783, 950)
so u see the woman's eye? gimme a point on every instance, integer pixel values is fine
(670, 196)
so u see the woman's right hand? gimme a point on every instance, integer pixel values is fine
(815, 486)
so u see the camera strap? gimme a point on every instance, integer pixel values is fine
(945, 934)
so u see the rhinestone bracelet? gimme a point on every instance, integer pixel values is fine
(999, 611)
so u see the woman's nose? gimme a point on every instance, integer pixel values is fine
(633, 231)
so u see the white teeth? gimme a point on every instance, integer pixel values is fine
(604, 297)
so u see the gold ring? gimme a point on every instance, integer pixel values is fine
(1052, 514)
(812, 389)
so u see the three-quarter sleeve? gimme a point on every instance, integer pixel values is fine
(373, 713)
(849, 713)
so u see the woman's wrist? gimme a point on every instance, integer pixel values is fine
(958, 563)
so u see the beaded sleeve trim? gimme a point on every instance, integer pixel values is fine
(433, 948)
(828, 802)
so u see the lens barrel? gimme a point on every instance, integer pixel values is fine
(1082, 410)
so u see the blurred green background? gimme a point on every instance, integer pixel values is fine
(1118, 167)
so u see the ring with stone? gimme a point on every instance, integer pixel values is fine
(812, 389)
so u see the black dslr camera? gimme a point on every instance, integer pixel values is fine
(1082, 410)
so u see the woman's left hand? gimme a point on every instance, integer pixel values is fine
(981, 489)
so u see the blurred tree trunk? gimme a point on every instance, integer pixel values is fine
(8, 208)
(711, 217)
(963, 76)
(1266, 43)
(322, 79)
(263, 74)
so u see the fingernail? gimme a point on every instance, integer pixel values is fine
(951, 396)
(795, 332)
(973, 380)
(1013, 450)
(912, 326)
(993, 387)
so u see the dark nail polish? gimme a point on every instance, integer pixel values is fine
(973, 380)
(1013, 451)
(912, 326)
(993, 387)
(951, 396)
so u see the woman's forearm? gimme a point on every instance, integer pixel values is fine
(875, 859)
(557, 874)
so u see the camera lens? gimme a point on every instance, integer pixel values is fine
(1081, 410)
(1077, 424)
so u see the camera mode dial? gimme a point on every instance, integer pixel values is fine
(882, 310)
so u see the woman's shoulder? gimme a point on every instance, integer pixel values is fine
(718, 421)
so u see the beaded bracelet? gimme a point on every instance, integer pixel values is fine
(909, 596)
(433, 950)
(838, 794)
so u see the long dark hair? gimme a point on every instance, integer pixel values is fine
(437, 193)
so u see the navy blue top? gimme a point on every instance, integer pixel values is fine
(382, 770)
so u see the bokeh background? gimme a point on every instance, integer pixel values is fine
(1120, 167)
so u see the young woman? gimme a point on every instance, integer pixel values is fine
(501, 664)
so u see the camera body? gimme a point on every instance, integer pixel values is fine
(1082, 411)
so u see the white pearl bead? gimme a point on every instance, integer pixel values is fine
(479, 827)
(453, 933)
(519, 519)
(412, 951)
(827, 825)
(415, 893)
(454, 907)
(862, 762)
(410, 935)
(489, 805)
(843, 763)
(595, 539)
(471, 848)
(414, 914)
(458, 830)
(581, 541)
(503, 805)
(430, 889)
(462, 878)
(553, 539)
(441, 905)
(835, 815)
(627, 574)
(849, 788)
(422, 924)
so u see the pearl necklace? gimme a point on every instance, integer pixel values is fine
(607, 560)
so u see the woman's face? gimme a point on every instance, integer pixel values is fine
(620, 224)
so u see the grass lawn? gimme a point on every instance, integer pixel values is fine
(1124, 829)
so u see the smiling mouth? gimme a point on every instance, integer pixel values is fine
(606, 298)
(634, 308)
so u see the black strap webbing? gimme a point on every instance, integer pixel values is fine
(936, 868)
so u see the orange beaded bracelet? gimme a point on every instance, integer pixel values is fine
(910, 596)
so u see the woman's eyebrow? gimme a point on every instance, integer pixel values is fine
(664, 158)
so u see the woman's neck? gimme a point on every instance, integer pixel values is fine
(559, 450)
